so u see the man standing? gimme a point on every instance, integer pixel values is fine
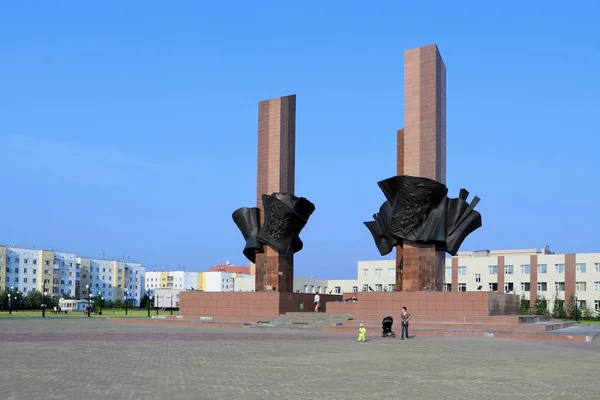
(317, 302)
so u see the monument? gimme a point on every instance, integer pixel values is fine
(271, 229)
(417, 218)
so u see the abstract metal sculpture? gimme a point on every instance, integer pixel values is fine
(285, 216)
(418, 210)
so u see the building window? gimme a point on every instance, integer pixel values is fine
(525, 286)
(392, 272)
(597, 286)
(581, 268)
(509, 269)
(355, 289)
(559, 268)
(462, 270)
(338, 290)
(493, 287)
(379, 287)
(26, 261)
(477, 278)
(447, 287)
(365, 272)
(24, 280)
(24, 270)
(16, 259)
(597, 267)
(378, 272)
(525, 269)
(391, 287)
(581, 304)
(493, 270)
(34, 262)
(542, 268)
(448, 271)
(596, 304)
(581, 286)
(542, 287)
(46, 262)
(365, 287)
(462, 287)
(509, 287)
(559, 286)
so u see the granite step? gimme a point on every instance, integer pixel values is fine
(577, 332)
(531, 327)
(461, 319)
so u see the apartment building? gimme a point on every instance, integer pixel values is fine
(212, 281)
(63, 273)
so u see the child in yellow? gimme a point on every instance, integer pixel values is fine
(361, 333)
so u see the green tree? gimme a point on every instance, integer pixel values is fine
(541, 306)
(558, 309)
(3, 299)
(525, 308)
(144, 301)
(33, 300)
(587, 313)
(571, 309)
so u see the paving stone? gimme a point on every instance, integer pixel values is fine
(95, 359)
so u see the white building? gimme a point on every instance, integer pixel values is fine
(217, 281)
(172, 279)
(244, 283)
(166, 298)
(65, 272)
(101, 279)
(22, 269)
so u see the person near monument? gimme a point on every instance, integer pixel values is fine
(317, 301)
(362, 331)
(405, 316)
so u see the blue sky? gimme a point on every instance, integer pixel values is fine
(130, 128)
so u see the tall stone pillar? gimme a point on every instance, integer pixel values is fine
(276, 172)
(424, 154)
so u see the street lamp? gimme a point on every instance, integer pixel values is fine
(43, 311)
(126, 302)
(16, 304)
(90, 304)
(172, 294)
(101, 303)
(87, 290)
(157, 305)
(9, 304)
(149, 305)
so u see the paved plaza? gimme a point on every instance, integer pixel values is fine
(59, 358)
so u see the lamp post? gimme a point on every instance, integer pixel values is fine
(149, 305)
(126, 302)
(90, 304)
(576, 309)
(157, 305)
(87, 289)
(16, 303)
(99, 296)
(9, 304)
(172, 294)
(43, 311)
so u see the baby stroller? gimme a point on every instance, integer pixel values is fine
(386, 327)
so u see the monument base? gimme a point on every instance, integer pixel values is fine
(432, 303)
(422, 268)
(248, 304)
